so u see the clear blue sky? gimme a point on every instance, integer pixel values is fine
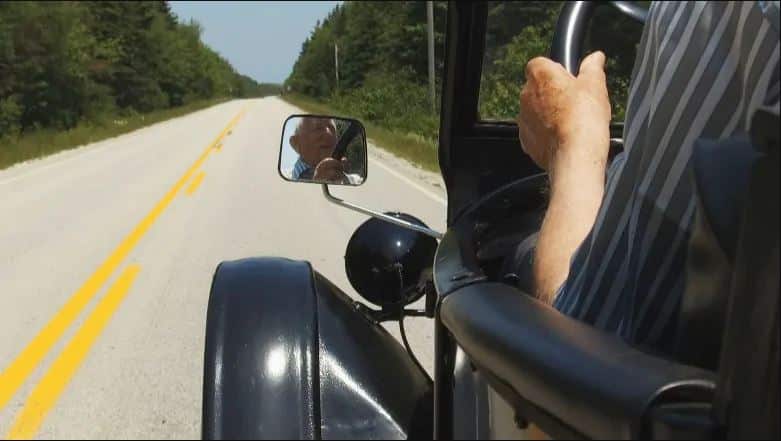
(260, 39)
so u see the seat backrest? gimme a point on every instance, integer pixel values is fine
(729, 313)
(720, 173)
(747, 398)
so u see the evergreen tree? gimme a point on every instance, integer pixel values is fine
(66, 62)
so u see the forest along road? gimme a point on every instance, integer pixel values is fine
(107, 254)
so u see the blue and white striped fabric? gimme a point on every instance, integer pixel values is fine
(302, 170)
(702, 69)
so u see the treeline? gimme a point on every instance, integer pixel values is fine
(383, 57)
(383, 63)
(63, 63)
(520, 31)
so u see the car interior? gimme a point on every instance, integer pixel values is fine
(566, 377)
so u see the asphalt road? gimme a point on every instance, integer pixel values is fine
(107, 253)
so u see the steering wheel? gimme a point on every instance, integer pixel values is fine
(567, 47)
(485, 238)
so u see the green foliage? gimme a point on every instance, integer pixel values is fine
(504, 77)
(246, 87)
(10, 112)
(383, 72)
(520, 31)
(42, 142)
(372, 38)
(63, 64)
(393, 101)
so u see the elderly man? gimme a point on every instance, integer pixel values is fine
(612, 252)
(314, 140)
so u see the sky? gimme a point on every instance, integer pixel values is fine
(260, 39)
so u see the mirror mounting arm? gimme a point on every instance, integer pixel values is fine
(393, 220)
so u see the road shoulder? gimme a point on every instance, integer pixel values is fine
(428, 180)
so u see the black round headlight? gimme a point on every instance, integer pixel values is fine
(384, 262)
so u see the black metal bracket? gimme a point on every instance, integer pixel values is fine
(388, 314)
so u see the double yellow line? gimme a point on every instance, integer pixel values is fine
(195, 183)
(55, 380)
(58, 376)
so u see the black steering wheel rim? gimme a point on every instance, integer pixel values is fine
(572, 25)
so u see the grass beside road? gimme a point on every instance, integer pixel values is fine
(409, 146)
(45, 142)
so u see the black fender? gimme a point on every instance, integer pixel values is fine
(287, 355)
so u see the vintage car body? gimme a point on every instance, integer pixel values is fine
(289, 355)
(331, 390)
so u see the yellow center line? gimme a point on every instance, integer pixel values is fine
(17, 372)
(195, 183)
(67, 363)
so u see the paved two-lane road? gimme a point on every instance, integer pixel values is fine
(107, 253)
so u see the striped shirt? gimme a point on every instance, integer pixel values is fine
(302, 170)
(701, 71)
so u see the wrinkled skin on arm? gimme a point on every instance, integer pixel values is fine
(564, 126)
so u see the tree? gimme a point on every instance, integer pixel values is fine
(382, 49)
(66, 62)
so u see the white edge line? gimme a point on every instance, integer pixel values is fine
(409, 181)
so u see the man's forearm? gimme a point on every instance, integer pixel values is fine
(564, 126)
(577, 187)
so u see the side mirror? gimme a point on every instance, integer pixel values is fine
(327, 150)
(323, 150)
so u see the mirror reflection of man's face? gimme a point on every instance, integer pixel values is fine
(314, 140)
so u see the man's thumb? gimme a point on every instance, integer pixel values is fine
(593, 67)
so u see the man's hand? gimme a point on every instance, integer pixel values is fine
(330, 170)
(564, 126)
(565, 118)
